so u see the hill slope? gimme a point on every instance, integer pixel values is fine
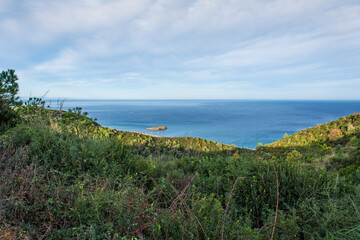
(330, 133)
(62, 176)
(334, 145)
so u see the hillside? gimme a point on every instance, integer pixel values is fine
(334, 132)
(137, 143)
(63, 176)
(333, 145)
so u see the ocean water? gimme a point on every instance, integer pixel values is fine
(244, 123)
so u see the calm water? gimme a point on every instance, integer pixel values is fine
(240, 122)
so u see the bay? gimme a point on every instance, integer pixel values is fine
(244, 123)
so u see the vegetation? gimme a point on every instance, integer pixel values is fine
(333, 146)
(63, 176)
(8, 90)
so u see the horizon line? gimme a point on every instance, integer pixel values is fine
(182, 99)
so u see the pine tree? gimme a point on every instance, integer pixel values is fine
(8, 99)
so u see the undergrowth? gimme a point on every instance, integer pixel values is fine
(62, 176)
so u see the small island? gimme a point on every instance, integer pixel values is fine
(157, 128)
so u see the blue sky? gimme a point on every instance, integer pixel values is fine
(183, 49)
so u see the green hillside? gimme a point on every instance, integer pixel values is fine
(63, 176)
(335, 132)
(333, 145)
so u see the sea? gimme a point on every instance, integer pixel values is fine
(244, 123)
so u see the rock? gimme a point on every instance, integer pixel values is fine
(157, 128)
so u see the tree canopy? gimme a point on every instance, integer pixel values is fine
(9, 87)
(8, 90)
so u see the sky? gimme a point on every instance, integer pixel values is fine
(183, 49)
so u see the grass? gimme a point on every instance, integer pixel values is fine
(62, 176)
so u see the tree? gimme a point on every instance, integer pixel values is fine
(8, 99)
(9, 88)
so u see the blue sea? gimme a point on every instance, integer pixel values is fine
(244, 123)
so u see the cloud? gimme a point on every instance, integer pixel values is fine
(271, 51)
(247, 44)
(75, 83)
(325, 84)
(65, 61)
(51, 19)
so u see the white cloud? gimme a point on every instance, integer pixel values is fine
(45, 21)
(326, 84)
(65, 61)
(195, 42)
(272, 51)
(74, 83)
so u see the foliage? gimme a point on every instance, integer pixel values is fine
(334, 145)
(8, 90)
(63, 176)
